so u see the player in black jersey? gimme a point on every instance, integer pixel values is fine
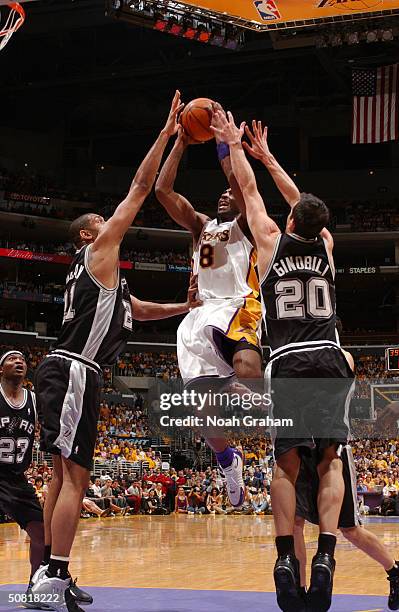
(97, 322)
(17, 433)
(307, 485)
(297, 282)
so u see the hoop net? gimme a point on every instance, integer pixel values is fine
(14, 20)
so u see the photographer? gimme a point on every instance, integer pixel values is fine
(196, 501)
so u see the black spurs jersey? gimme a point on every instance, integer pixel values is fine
(97, 321)
(17, 434)
(298, 293)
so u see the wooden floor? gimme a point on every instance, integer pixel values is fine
(189, 552)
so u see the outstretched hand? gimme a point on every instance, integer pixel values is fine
(259, 148)
(217, 107)
(172, 123)
(225, 129)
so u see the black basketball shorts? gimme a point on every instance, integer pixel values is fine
(311, 392)
(307, 487)
(19, 501)
(68, 402)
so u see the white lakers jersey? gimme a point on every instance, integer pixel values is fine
(225, 260)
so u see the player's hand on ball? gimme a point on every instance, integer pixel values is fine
(259, 148)
(184, 138)
(225, 128)
(192, 294)
(172, 123)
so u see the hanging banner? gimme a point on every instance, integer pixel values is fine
(266, 12)
(49, 257)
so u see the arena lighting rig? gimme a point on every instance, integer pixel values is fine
(262, 15)
(179, 20)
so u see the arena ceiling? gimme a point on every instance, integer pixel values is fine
(72, 66)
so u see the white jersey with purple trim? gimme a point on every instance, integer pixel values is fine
(224, 260)
(228, 286)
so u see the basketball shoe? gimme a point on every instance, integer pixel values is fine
(321, 583)
(82, 597)
(393, 577)
(58, 593)
(234, 480)
(286, 578)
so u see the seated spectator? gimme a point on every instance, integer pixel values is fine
(134, 495)
(389, 488)
(196, 501)
(260, 502)
(155, 501)
(181, 502)
(214, 502)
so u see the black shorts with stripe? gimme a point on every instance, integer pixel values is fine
(19, 501)
(311, 390)
(307, 487)
(68, 401)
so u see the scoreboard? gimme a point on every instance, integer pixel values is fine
(392, 358)
(266, 14)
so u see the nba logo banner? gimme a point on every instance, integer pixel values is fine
(267, 9)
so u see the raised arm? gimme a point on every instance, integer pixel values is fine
(176, 205)
(259, 149)
(263, 228)
(223, 152)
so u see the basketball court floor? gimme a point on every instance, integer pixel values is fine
(190, 564)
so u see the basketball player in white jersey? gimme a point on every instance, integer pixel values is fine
(220, 339)
(298, 293)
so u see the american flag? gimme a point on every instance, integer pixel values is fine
(375, 105)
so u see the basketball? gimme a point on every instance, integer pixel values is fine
(196, 119)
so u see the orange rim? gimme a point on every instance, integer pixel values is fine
(14, 6)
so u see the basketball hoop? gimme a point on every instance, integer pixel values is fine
(14, 20)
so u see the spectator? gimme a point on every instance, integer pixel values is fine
(214, 502)
(181, 502)
(196, 501)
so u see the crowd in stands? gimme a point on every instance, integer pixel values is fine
(370, 369)
(123, 432)
(36, 288)
(377, 467)
(118, 424)
(162, 365)
(367, 216)
(161, 490)
(364, 216)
